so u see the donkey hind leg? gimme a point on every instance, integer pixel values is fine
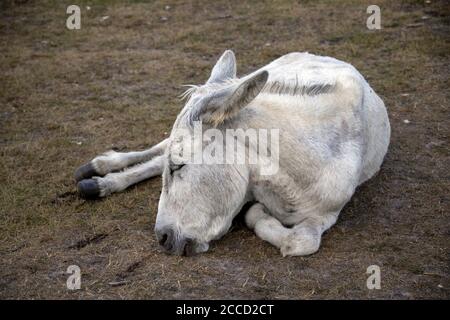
(300, 240)
(115, 161)
(119, 181)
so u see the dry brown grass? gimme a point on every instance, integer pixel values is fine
(66, 96)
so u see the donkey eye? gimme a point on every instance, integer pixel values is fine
(175, 167)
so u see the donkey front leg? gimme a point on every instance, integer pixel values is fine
(115, 161)
(265, 226)
(305, 237)
(300, 240)
(119, 181)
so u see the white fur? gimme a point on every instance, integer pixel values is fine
(331, 140)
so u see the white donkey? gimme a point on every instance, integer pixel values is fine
(333, 135)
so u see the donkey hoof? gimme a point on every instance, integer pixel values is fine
(88, 189)
(85, 171)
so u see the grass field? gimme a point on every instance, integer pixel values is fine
(68, 95)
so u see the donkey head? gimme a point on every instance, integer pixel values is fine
(198, 200)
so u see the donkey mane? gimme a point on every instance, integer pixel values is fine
(297, 89)
(273, 87)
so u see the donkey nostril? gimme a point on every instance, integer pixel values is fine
(163, 239)
(188, 248)
(166, 239)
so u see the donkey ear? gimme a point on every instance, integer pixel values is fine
(225, 103)
(224, 69)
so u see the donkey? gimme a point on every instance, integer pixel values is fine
(334, 132)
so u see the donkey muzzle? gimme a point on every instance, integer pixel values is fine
(172, 243)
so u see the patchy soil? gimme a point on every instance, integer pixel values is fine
(66, 96)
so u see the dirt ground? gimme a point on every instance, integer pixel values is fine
(68, 95)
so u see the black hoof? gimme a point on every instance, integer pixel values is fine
(88, 189)
(85, 171)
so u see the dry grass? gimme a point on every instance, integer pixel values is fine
(66, 96)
